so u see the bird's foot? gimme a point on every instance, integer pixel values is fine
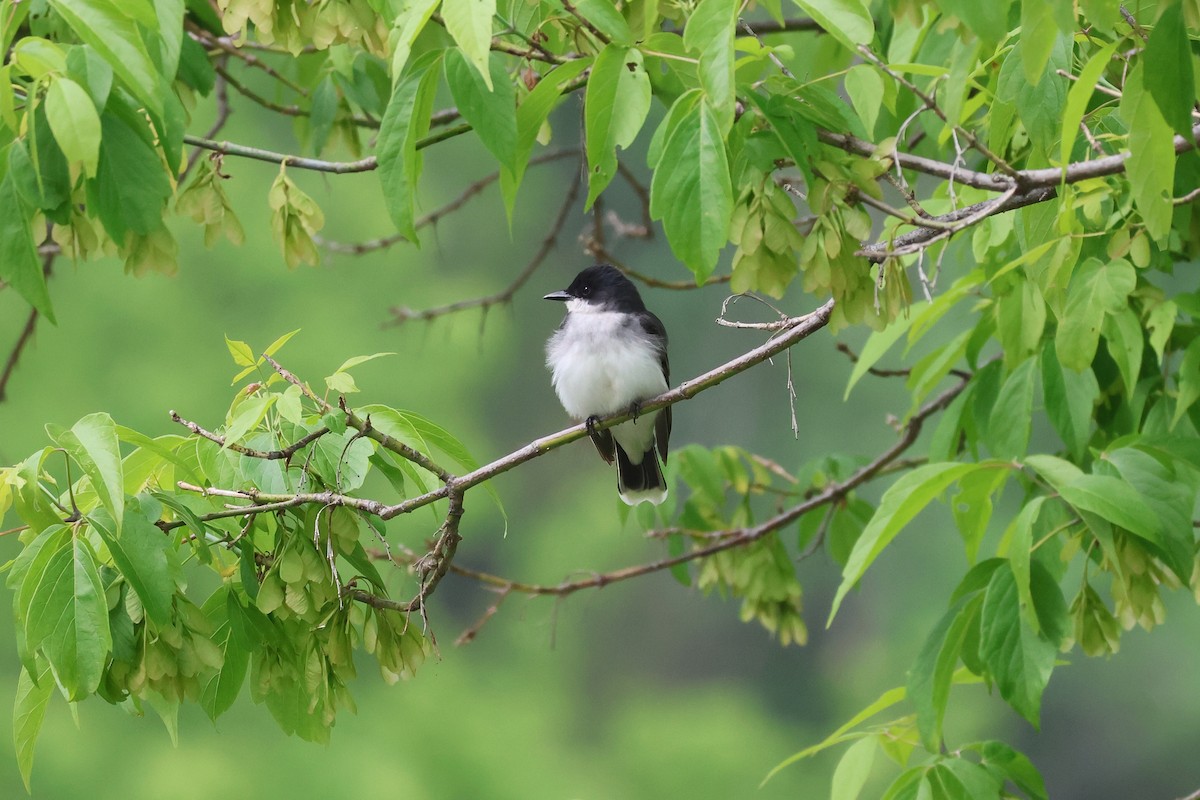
(590, 423)
(635, 408)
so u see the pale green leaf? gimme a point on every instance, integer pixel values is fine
(1009, 424)
(853, 770)
(903, 500)
(879, 342)
(1123, 336)
(615, 108)
(848, 21)
(249, 413)
(710, 32)
(409, 21)
(1115, 501)
(28, 712)
(92, 443)
(242, 354)
(405, 121)
(1097, 288)
(75, 123)
(1079, 95)
(1151, 164)
(469, 22)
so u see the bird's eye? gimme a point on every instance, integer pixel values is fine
(586, 291)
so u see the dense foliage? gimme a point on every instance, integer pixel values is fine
(1039, 153)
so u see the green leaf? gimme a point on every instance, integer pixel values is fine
(1012, 416)
(853, 770)
(1160, 322)
(531, 115)
(691, 192)
(242, 354)
(75, 123)
(469, 22)
(885, 701)
(930, 677)
(489, 105)
(249, 413)
(1151, 164)
(1097, 288)
(607, 19)
(409, 21)
(1016, 766)
(19, 264)
(1038, 33)
(130, 189)
(879, 342)
(710, 32)
(1168, 497)
(1078, 96)
(903, 500)
(110, 29)
(1123, 336)
(1117, 502)
(615, 108)
(848, 21)
(404, 123)
(1188, 380)
(92, 443)
(988, 21)
(220, 689)
(1169, 58)
(145, 556)
(1069, 398)
(1019, 660)
(1020, 538)
(68, 615)
(28, 712)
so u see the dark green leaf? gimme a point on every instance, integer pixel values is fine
(219, 689)
(1169, 59)
(146, 557)
(1123, 335)
(1018, 659)
(19, 264)
(491, 110)
(1097, 288)
(130, 190)
(1168, 497)
(1117, 502)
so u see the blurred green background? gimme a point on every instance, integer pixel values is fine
(642, 689)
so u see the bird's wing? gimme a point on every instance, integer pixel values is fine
(653, 326)
(604, 444)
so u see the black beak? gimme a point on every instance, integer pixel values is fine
(558, 296)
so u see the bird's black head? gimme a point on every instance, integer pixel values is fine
(603, 286)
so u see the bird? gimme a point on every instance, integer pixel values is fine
(609, 355)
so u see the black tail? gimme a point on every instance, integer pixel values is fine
(640, 482)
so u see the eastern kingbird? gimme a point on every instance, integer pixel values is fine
(608, 355)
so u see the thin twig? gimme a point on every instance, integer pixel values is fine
(269, 455)
(26, 334)
(402, 314)
(358, 248)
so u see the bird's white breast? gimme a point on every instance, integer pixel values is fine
(601, 364)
